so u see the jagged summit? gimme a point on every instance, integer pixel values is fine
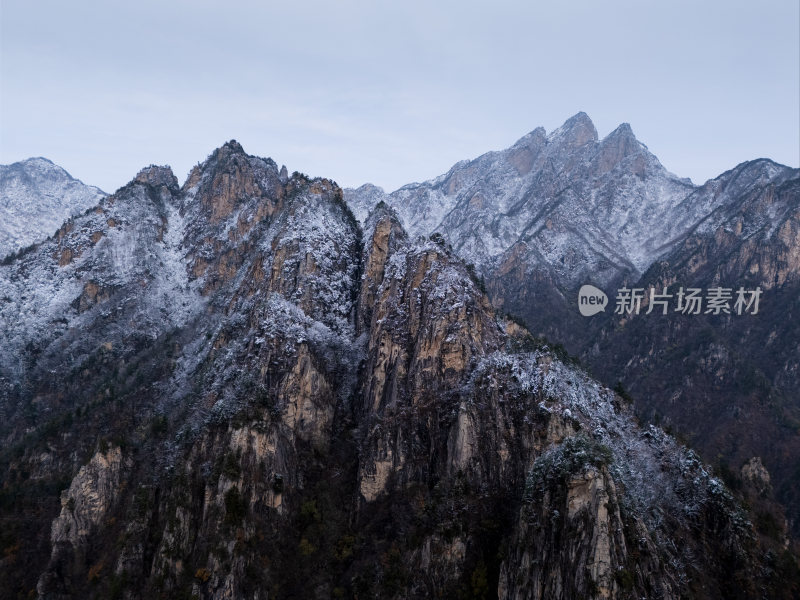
(229, 156)
(622, 132)
(156, 175)
(535, 138)
(573, 202)
(577, 130)
(233, 146)
(228, 151)
(556, 211)
(230, 178)
(579, 120)
(623, 129)
(620, 148)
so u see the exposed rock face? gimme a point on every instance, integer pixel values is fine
(36, 197)
(84, 507)
(385, 235)
(252, 397)
(754, 473)
(88, 498)
(556, 211)
(588, 523)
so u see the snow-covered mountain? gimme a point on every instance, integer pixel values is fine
(36, 197)
(556, 211)
(228, 389)
(582, 206)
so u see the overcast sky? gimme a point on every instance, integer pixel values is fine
(391, 92)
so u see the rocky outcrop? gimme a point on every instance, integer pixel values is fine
(581, 519)
(755, 473)
(84, 509)
(88, 498)
(384, 234)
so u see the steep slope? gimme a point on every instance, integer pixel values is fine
(247, 395)
(149, 314)
(728, 382)
(487, 443)
(534, 293)
(557, 211)
(36, 197)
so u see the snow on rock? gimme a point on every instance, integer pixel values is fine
(579, 204)
(36, 197)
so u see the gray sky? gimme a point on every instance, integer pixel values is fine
(391, 92)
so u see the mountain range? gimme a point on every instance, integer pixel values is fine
(557, 211)
(260, 385)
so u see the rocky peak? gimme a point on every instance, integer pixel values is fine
(429, 317)
(557, 196)
(620, 145)
(230, 180)
(534, 139)
(382, 212)
(158, 176)
(229, 148)
(622, 136)
(36, 197)
(577, 131)
(384, 234)
(231, 158)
